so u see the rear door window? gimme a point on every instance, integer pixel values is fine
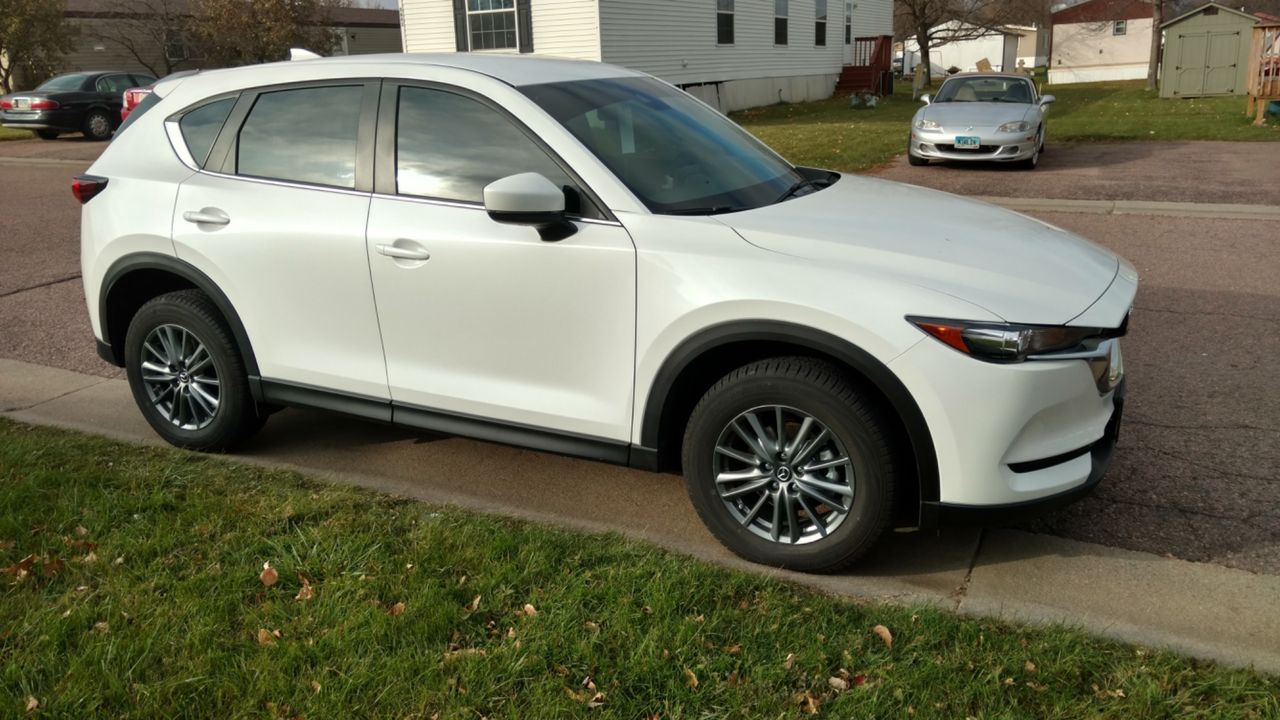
(114, 84)
(200, 126)
(307, 135)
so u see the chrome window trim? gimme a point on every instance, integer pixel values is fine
(174, 132)
(464, 205)
(285, 183)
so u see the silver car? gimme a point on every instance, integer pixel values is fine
(981, 116)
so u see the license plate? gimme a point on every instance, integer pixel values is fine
(967, 142)
(21, 103)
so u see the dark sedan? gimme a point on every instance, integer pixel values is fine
(83, 102)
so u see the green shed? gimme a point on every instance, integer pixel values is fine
(1206, 52)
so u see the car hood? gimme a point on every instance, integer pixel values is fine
(977, 114)
(1016, 267)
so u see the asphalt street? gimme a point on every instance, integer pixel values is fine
(1197, 475)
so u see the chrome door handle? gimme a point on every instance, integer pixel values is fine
(403, 253)
(206, 216)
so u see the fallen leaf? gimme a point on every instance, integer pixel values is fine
(511, 633)
(306, 592)
(265, 637)
(884, 634)
(596, 700)
(594, 628)
(52, 565)
(32, 703)
(530, 611)
(397, 609)
(315, 686)
(268, 576)
(646, 610)
(102, 627)
(859, 680)
(732, 680)
(473, 605)
(733, 649)
(118, 561)
(1029, 666)
(82, 531)
(92, 557)
(790, 662)
(463, 652)
(838, 684)
(809, 703)
(690, 679)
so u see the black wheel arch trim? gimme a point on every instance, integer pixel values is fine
(877, 373)
(112, 348)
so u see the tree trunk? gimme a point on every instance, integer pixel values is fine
(1153, 66)
(922, 45)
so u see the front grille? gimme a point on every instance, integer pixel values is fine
(950, 147)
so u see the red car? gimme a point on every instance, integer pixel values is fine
(132, 97)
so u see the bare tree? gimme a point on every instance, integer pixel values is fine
(153, 32)
(242, 32)
(935, 23)
(34, 35)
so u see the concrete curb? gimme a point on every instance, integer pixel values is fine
(1201, 610)
(1138, 207)
(44, 161)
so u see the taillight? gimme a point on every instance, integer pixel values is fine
(6, 104)
(44, 104)
(86, 187)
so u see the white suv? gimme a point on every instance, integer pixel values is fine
(582, 259)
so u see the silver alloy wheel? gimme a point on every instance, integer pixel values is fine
(180, 377)
(783, 475)
(99, 125)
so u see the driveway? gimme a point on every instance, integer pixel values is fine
(1199, 172)
(1197, 475)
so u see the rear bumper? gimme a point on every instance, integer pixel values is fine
(1100, 453)
(60, 120)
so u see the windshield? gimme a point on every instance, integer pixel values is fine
(676, 154)
(985, 89)
(74, 81)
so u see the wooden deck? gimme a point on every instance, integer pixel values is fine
(1263, 82)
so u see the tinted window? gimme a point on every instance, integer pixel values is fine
(64, 83)
(200, 127)
(449, 146)
(675, 153)
(142, 80)
(306, 135)
(114, 83)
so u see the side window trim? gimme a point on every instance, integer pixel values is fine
(385, 154)
(222, 158)
(176, 119)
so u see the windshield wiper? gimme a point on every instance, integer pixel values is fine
(797, 187)
(710, 210)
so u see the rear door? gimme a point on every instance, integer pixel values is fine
(277, 219)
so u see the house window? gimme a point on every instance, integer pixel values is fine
(724, 22)
(1118, 27)
(779, 22)
(848, 23)
(491, 24)
(820, 22)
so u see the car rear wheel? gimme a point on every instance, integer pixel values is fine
(789, 465)
(47, 134)
(186, 374)
(97, 125)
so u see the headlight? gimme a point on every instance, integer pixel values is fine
(926, 124)
(1020, 126)
(1012, 343)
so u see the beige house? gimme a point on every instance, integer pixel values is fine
(1101, 40)
(125, 35)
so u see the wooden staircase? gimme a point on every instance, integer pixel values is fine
(871, 69)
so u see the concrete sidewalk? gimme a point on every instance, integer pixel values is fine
(1201, 610)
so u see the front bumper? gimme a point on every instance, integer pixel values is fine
(997, 147)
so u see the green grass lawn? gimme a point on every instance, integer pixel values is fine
(11, 134)
(133, 588)
(830, 134)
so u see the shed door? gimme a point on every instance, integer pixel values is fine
(1189, 71)
(1221, 74)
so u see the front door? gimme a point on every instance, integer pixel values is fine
(483, 321)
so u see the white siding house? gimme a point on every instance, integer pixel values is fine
(1101, 40)
(732, 53)
(999, 46)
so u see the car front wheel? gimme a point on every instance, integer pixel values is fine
(186, 374)
(788, 464)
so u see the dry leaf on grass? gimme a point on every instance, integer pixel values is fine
(463, 652)
(1029, 667)
(397, 609)
(32, 703)
(473, 605)
(838, 684)
(808, 702)
(265, 637)
(690, 679)
(102, 627)
(884, 634)
(790, 662)
(81, 531)
(306, 592)
(268, 576)
(592, 627)
(733, 649)
(529, 610)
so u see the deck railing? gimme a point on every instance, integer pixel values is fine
(1263, 83)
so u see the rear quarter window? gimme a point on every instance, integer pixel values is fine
(200, 127)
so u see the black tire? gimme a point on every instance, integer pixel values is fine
(97, 125)
(807, 387)
(1033, 162)
(236, 417)
(47, 134)
(915, 160)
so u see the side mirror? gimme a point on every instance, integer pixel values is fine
(529, 199)
(925, 99)
(1046, 99)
